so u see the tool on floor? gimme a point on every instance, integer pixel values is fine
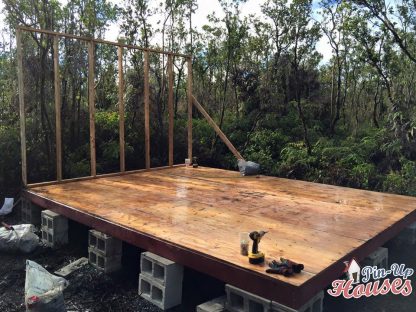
(256, 256)
(244, 243)
(285, 267)
(195, 162)
(297, 267)
(277, 268)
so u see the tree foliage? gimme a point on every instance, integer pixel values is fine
(348, 121)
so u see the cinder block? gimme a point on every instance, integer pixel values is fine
(379, 258)
(30, 213)
(53, 221)
(239, 300)
(107, 264)
(315, 304)
(47, 238)
(162, 270)
(408, 235)
(215, 305)
(163, 296)
(54, 228)
(104, 244)
(54, 239)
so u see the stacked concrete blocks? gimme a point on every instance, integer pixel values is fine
(54, 229)
(239, 300)
(160, 281)
(30, 213)
(104, 251)
(315, 304)
(379, 258)
(408, 235)
(215, 305)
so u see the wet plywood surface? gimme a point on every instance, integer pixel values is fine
(203, 210)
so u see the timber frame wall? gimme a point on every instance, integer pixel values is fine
(191, 101)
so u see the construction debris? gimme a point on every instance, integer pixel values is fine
(248, 168)
(43, 291)
(7, 206)
(73, 266)
(19, 238)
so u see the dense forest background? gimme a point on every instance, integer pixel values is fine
(350, 121)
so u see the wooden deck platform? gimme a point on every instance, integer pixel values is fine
(194, 216)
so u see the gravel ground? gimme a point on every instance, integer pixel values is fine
(88, 290)
(92, 290)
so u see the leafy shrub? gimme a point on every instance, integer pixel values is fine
(296, 163)
(402, 181)
(10, 156)
(264, 147)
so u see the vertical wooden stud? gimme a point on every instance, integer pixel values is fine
(91, 104)
(190, 108)
(121, 109)
(21, 105)
(170, 107)
(146, 109)
(58, 127)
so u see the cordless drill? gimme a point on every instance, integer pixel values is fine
(256, 256)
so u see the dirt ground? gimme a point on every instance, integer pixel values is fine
(91, 290)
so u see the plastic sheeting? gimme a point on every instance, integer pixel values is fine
(7, 207)
(248, 168)
(43, 290)
(22, 238)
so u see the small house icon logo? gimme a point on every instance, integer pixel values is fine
(353, 270)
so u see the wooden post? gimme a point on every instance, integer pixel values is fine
(21, 105)
(190, 108)
(170, 107)
(91, 104)
(121, 109)
(58, 129)
(146, 109)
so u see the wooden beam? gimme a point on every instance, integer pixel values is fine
(58, 127)
(104, 175)
(121, 109)
(21, 105)
(89, 39)
(190, 108)
(217, 129)
(146, 109)
(170, 108)
(91, 105)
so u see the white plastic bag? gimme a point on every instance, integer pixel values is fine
(21, 238)
(43, 290)
(7, 206)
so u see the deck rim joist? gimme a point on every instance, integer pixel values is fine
(198, 261)
(252, 281)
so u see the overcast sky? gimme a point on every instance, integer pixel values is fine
(206, 7)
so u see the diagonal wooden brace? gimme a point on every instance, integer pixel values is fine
(217, 129)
